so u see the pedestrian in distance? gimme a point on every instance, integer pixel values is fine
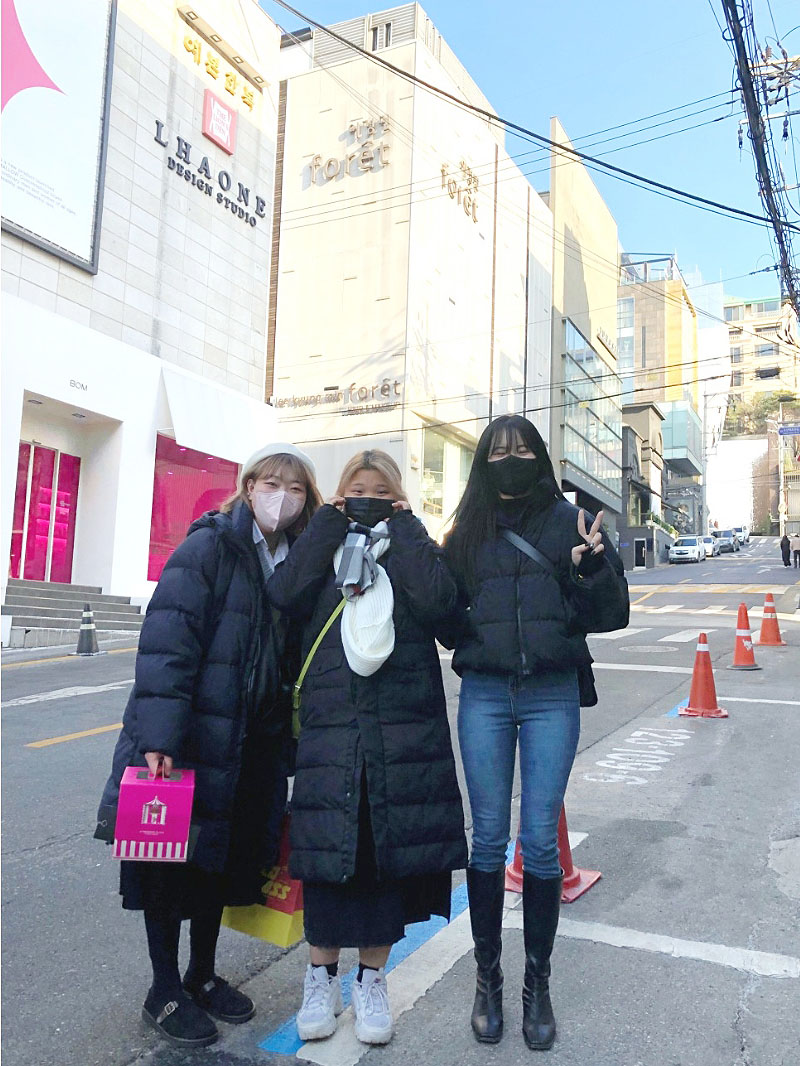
(212, 694)
(786, 550)
(535, 574)
(794, 544)
(377, 817)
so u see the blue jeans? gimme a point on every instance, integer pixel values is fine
(544, 710)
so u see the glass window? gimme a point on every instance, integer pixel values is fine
(387, 35)
(767, 307)
(734, 314)
(765, 351)
(736, 378)
(187, 484)
(736, 355)
(433, 473)
(374, 38)
(625, 309)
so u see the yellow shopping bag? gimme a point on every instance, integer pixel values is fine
(279, 919)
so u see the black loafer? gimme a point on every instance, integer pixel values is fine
(180, 1022)
(222, 1001)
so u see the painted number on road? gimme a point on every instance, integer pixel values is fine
(646, 752)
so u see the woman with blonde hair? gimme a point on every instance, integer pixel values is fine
(211, 694)
(377, 819)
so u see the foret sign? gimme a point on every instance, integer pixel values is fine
(368, 152)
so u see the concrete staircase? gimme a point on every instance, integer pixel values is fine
(45, 613)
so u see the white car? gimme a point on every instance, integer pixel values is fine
(742, 534)
(711, 545)
(687, 550)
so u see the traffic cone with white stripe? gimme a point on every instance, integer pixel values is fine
(576, 880)
(87, 636)
(770, 636)
(743, 655)
(703, 693)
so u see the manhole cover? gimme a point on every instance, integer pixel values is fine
(647, 647)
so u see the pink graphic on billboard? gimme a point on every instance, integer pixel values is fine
(20, 68)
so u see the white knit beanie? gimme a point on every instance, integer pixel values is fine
(279, 448)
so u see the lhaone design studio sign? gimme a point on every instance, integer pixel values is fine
(190, 165)
(354, 400)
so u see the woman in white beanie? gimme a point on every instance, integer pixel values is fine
(377, 819)
(212, 694)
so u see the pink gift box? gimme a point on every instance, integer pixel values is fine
(153, 816)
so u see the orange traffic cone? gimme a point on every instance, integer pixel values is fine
(743, 657)
(770, 635)
(703, 694)
(576, 881)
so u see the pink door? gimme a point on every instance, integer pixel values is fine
(45, 504)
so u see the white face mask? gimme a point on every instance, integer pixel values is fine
(276, 510)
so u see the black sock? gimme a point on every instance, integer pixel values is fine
(332, 968)
(362, 967)
(203, 934)
(163, 935)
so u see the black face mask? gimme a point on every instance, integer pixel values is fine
(514, 475)
(368, 510)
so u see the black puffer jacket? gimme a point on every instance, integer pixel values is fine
(515, 618)
(207, 693)
(394, 723)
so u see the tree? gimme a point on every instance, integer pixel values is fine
(750, 416)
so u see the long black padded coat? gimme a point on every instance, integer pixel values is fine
(515, 618)
(208, 692)
(393, 723)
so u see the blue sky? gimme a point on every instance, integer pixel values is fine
(599, 65)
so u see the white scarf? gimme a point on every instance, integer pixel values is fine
(367, 623)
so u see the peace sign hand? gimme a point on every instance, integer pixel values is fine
(593, 539)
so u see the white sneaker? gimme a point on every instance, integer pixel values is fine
(322, 1004)
(374, 1023)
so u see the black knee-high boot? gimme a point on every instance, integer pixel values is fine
(486, 893)
(541, 901)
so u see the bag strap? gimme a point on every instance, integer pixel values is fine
(528, 549)
(304, 669)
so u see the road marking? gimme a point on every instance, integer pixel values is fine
(683, 636)
(648, 752)
(646, 596)
(646, 667)
(435, 947)
(715, 608)
(75, 736)
(762, 963)
(65, 693)
(749, 699)
(619, 633)
(60, 658)
(666, 608)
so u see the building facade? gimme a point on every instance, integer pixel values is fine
(765, 357)
(134, 332)
(411, 288)
(659, 363)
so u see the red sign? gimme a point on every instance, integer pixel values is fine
(219, 123)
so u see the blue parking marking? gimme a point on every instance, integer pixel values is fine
(676, 710)
(285, 1041)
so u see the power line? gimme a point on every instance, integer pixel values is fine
(628, 176)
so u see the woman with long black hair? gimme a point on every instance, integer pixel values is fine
(535, 574)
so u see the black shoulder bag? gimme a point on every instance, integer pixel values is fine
(587, 692)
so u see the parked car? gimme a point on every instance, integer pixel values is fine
(742, 534)
(711, 545)
(728, 541)
(687, 550)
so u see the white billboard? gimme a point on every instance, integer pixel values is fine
(55, 93)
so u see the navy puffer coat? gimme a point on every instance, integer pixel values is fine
(393, 723)
(208, 692)
(514, 618)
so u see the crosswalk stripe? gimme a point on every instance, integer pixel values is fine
(666, 608)
(682, 637)
(619, 633)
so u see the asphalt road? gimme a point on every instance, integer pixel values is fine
(694, 824)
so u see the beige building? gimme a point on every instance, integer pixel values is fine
(761, 359)
(411, 284)
(585, 419)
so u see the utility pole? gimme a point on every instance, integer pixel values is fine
(757, 137)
